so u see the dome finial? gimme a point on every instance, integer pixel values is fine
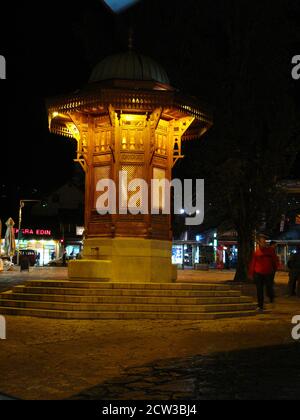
(130, 39)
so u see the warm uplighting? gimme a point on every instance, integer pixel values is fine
(137, 132)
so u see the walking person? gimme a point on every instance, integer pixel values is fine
(227, 260)
(294, 274)
(273, 245)
(263, 265)
(24, 263)
(64, 259)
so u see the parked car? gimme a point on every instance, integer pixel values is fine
(29, 253)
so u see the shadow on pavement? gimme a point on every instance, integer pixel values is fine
(269, 373)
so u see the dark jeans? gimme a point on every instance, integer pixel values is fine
(262, 282)
(294, 277)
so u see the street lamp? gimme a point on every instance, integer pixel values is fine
(22, 204)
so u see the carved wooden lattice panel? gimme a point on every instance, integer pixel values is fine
(132, 140)
(100, 172)
(134, 174)
(161, 144)
(161, 138)
(159, 198)
(102, 141)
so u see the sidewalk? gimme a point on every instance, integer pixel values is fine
(224, 276)
(265, 373)
(8, 279)
(220, 276)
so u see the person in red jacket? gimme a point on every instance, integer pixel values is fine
(262, 267)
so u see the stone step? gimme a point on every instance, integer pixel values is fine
(69, 298)
(41, 313)
(124, 292)
(106, 300)
(135, 286)
(58, 306)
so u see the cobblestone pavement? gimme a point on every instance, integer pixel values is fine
(271, 373)
(61, 359)
(8, 279)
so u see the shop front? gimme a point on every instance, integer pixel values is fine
(284, 250)
(227, 255)
(39, 242)
(190, 253)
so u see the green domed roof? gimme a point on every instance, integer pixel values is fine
(129, 66)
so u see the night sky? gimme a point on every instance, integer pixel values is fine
(51, 48)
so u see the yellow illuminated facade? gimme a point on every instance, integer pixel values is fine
(136, 126)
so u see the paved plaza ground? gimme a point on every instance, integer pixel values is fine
(227, 359)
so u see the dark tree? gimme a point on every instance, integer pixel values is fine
(255, 139)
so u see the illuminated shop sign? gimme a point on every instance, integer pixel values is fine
(36, 232)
